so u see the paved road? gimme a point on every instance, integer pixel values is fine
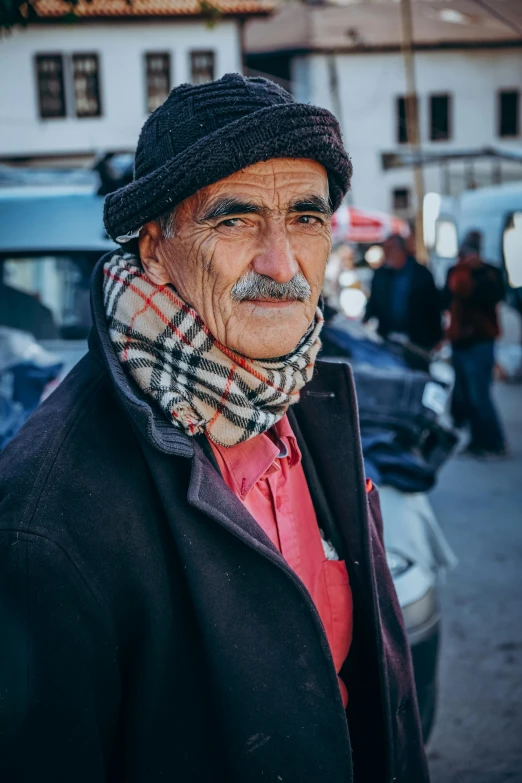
(478, 735)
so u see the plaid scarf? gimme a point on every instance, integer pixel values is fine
(198, 383)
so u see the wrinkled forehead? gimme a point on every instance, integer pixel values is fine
(273, 184)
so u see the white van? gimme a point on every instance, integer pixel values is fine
(496, 212)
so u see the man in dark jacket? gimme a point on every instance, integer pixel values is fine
(193, 584)
(471, 296)
(404, 298)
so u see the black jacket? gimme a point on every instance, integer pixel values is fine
(423, 311)
(153, 633)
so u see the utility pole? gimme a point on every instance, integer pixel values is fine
(412, 123)
(335, 95)
(242, 47)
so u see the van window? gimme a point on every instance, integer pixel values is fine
(47, 296)
(512, 242)
(446, 243)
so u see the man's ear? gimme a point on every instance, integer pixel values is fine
(151, 257)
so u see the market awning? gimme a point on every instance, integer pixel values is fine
(360, 225)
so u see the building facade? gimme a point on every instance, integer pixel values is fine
(468, 100)
(70, 90)
(469, 82)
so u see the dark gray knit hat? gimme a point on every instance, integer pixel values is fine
(204, 133)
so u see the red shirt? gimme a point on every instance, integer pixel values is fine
(269, 480)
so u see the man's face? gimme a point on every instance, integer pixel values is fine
(394, 255)
(243, 247)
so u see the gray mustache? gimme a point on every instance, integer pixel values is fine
(255, 286)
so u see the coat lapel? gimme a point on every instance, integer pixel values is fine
(328, 419)
(208, 492)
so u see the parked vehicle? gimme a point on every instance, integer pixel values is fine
(497, 213)
(27, 371)
(51, 235)
(406, 438)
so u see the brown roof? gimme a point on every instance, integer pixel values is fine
(363, 25)
(121, 9)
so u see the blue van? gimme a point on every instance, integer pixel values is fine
(50, 238)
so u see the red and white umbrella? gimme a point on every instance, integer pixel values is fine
(362, 225)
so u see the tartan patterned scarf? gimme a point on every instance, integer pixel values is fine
(199, 384)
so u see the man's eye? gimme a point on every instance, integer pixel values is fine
(230, 222)
(309, 220)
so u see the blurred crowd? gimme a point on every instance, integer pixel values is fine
(397, 297)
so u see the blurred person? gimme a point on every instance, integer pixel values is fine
(331, 279)
(193, 583)
(346, 257)
(411, 241)
(404, 299)
(341, 260)
(472, 293)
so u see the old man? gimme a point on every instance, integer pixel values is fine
(192, 574)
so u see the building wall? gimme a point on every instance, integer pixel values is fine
(121, 48)
(369, 85)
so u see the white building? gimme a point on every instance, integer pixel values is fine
(69, 90)
(347, 58)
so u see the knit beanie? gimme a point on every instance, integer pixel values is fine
(207, 132)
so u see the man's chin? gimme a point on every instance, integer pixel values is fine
(270, 330)
(272, 343)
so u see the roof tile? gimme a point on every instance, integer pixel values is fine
(114, 9)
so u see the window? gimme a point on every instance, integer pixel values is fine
(402, 131)
(86, 77)
(402, 125)
(202, 67)
(446, 242)
(47, 296)
(50, 73)
(51, 92)
(158, 78)
(509, 110)
(440, 108)
(401, 199)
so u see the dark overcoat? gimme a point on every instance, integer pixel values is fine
(151, 632)
(423, 309)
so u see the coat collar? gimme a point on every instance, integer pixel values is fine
(148, 420)
(151, 423)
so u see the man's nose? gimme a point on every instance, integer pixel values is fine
(276, 258)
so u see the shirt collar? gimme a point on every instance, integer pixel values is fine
(249, 461)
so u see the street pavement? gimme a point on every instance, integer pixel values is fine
(478, 733)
